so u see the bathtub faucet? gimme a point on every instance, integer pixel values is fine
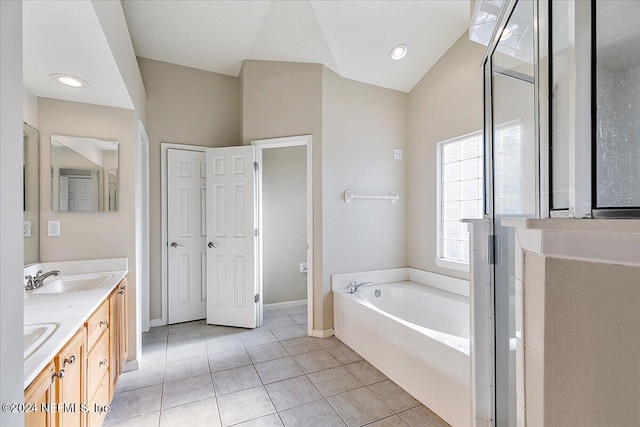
(355, 285)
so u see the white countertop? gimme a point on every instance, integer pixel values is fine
(68, 310)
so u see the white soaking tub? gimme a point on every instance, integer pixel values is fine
(418, 336)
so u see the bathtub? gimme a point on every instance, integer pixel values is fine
(417, 335)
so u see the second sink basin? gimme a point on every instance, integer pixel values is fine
(75, 283)
(35, 335)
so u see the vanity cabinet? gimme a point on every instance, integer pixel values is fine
(119, 336)
(70, 388)
(80, 381)
(123, 325)
(40, 393)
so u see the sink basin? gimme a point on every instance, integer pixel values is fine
(76, 283)
(35, 335)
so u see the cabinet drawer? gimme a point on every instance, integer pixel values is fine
(98, 362)
(96, 407)
(97, 323)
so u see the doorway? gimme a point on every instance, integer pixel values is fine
(285, 210)
(205, 253)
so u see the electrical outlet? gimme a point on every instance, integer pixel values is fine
(397, 154)
(26, 229)
(53, 228)
(303, 268)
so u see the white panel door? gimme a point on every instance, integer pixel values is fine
(186, 224)
(232, 283)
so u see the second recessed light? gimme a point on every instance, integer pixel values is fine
(398, 52)
(69, 80)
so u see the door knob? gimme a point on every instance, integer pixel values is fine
(176, 244)
(212, 245)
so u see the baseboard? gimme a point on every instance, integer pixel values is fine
(286, 304)
(131, 365)
(154, 323)
(323, 333)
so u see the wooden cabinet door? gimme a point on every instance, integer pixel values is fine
(123, 324)
(70, 387)
(37, 396)
(114, 340)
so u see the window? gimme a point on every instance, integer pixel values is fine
(460, 195)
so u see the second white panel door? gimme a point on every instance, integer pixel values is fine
(231, 255)
(186, 176)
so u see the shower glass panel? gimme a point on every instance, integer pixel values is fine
(617, 99)
(513, 187)
(559, 96)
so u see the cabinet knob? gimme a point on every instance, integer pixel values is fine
(103, 362)
(104, 322)
(123, 288)
(61, 374)
(70, 361)
(121, 292)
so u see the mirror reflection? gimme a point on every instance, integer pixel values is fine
(31, 195)
(84, 174)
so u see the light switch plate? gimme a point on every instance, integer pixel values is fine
(26, 228)
(303, 267)
(53, 229)
(397, 154)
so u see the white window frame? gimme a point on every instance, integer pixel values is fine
(440, 260)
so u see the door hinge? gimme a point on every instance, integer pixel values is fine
(493, 249)
(255, 166)
(255, 232)
(256, 298)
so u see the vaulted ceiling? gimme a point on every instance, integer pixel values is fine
(353, 38)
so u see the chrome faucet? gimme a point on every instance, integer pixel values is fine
(353, 287)
(36, 282)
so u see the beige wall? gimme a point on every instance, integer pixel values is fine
(185, 106)
(284, 99)
(446, 103)
(30, 108)
(582, 350)
(97, 234)
(284, 230)
(355, 127)
(361, 125)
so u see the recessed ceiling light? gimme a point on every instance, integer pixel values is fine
(68, 80)
(398, 52)
(506, 33)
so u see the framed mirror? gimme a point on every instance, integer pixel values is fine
(84, 174)
(31, 194)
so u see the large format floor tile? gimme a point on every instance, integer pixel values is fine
(195, 374)
(244, 405)
(359, 407)
(200, 413)
(315, 414)
(293, 392)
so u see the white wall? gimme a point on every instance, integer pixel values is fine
(11, 241)
(284, 230)
(446, 103)
(116, 31)
(361, 125)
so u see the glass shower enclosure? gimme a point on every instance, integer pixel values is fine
(512, 185)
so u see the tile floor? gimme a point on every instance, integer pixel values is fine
(193, 374)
